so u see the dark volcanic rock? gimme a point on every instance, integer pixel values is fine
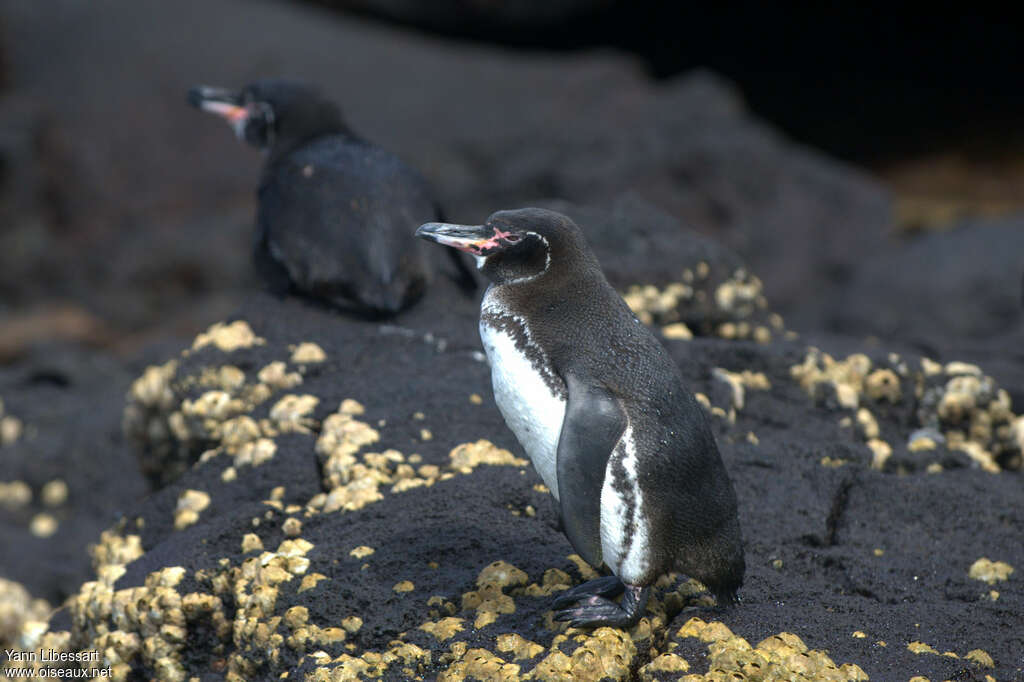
(964, 283)
(350, 506)
(71, 456)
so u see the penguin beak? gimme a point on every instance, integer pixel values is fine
(220, 101)
(474, 239)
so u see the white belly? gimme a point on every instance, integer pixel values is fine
(535, 413)
(530, 407)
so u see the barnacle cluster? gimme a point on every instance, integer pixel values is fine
(11, 427)
(953, 405)
(705, 302)
(19, 612)
(781, 656)
(989, 571)
(175, 418)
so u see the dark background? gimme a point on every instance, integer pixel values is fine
(869, 82)
(125, 215)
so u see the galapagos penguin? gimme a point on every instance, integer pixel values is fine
(334, 210)
(601, 409)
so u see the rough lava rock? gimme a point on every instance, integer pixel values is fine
(344, 501)
(962, 283)
(69, 474)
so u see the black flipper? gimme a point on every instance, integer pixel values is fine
(592, 426)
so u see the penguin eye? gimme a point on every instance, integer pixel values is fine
(513, 238)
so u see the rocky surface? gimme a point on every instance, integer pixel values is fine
(69, 473)
(341, 500)
(962, 283)
(961, 294)
(291, 491)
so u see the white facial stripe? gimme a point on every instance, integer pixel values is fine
(547, 253)
(481, 261)
(547, 261)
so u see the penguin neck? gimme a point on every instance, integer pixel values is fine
(286, 144)
(533, 296)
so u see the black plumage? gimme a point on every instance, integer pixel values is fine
(641, 485)
(335, 211)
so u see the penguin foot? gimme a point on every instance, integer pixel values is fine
(609, 586)
(596, 611)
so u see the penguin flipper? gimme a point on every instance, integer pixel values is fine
(593, 424)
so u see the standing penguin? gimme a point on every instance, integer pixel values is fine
(334, 210)
(600, 408)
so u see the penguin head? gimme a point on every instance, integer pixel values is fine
(272, 114)
(516, 246)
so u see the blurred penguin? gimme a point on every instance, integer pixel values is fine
(335, 211)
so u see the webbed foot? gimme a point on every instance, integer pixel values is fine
(608, 586)
(591, 610)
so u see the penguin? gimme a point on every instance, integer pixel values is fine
(334, 209)
(601, 409)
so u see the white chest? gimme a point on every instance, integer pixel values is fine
(530, 407)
